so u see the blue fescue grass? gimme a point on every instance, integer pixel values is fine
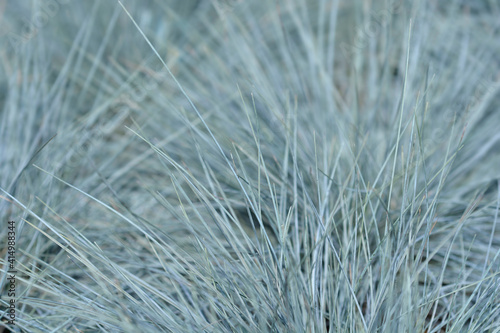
(245, 166)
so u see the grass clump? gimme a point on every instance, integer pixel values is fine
(246, 166)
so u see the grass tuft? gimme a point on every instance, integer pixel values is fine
(246, 166)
